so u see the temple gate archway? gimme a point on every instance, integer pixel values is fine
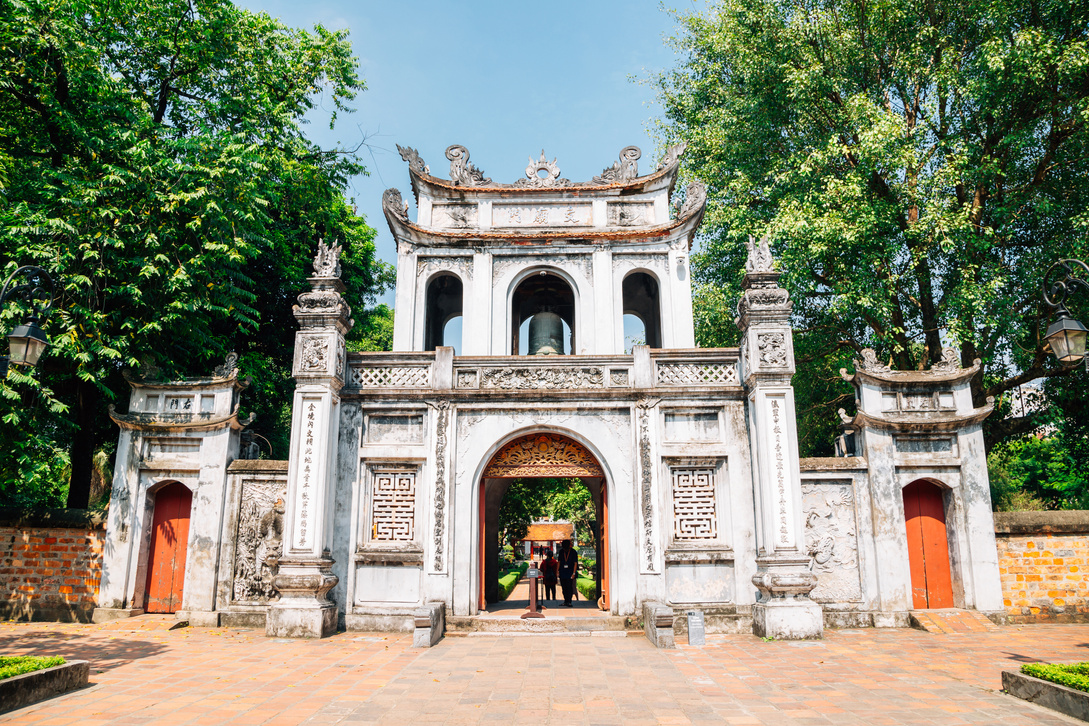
(542, 454)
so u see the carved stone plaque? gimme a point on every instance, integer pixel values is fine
(259, 540)
(542, 215)
(831, 540)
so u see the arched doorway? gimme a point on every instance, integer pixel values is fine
(537, 456)
(167, 549)
(928, 545)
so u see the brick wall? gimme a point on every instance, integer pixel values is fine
(1043, 560)
(50, 564)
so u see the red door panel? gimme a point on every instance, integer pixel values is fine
(928, 546)
(166, 555)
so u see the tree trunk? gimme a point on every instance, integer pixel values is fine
(83, 446)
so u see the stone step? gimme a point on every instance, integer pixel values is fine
(952, 620)
(514, 624)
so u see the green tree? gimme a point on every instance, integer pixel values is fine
(918, 166)
(527, 500)
(155, 161)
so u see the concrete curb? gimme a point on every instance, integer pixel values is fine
(1045, 693)
(30, 688)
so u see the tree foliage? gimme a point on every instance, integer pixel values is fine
(154, 160)
(918, 166)
(528, 500)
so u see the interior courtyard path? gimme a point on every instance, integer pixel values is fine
(144, 673)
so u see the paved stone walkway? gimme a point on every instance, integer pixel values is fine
(150, 675)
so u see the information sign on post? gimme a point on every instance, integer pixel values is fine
(533, 572)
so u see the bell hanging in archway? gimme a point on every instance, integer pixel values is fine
(546, 334)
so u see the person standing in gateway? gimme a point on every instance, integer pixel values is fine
(569, 568)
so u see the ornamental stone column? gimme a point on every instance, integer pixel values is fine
(783, 609)
(305, 576)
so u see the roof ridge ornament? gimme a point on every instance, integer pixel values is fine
(415, 163)
(695, 196)
(327, 260)
(870, 362)
(461, 171)
(624, 170)
(760, 258)
(950, 361)
(393, 204)
(533, 177)
(672, 155)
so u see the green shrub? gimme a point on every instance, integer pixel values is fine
(17, 665)
(1071, 675)
(587, 588)
(507, 583)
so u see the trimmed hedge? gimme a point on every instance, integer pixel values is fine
(509, 580)
(1071, 675)
(587, 588)
(17, 665)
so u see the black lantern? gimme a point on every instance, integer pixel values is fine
(34, 288)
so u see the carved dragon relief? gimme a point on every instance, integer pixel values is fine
(831, 541)
(695, 196)
(327, 260)
(461, 171)
(672, 155)
(759, 258)
(625, 169)
(394, 204)
(259, 540)
(415, 163)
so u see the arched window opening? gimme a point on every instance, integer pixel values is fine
(635, 333)
(543, 316)
(443, 306)
(641, 300)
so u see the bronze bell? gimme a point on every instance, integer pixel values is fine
(546, 334)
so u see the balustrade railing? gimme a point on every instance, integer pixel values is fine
(644, 369)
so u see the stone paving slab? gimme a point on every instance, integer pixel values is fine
(217, 676)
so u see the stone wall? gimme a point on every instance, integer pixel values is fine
(50, 564)
(1043, 560)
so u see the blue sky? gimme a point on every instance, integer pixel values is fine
(504, 79)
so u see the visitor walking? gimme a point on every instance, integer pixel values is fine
(569, 567)
(549, 568)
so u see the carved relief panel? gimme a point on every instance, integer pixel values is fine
(831, 540)
(258, 540)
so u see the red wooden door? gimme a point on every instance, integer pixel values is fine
(166, 556)
(928, 548)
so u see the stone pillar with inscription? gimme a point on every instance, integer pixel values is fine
(784, 609)
(305, 575)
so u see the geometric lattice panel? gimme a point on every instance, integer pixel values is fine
(697, 374)
(390, 377)
(393, 506)
(694, 515)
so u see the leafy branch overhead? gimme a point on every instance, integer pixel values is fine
(918, 166)
(154, 160)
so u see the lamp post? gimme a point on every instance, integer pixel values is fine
(1066, 336)
(34, 288)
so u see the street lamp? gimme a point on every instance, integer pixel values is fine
(1066, 336)
(34, 288)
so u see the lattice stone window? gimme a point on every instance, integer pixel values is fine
(393, 506)
(695, 515)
